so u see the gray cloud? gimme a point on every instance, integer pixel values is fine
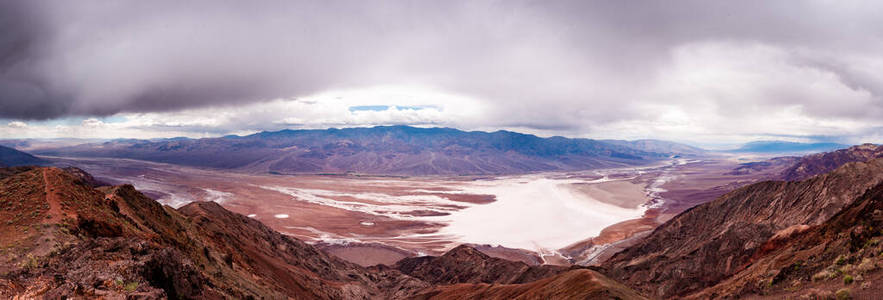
(23, 90)
(560, 65)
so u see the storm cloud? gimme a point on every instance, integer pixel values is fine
(639, 68)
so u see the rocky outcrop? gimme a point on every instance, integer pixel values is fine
(825, 162)
(711, 242)
(574, 284)
(465, 264)
(843, 253)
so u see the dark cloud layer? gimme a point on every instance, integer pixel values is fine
(540, 64)
(23, 90)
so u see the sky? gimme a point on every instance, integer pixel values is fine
(703, 72)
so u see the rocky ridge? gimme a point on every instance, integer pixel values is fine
(711, 242)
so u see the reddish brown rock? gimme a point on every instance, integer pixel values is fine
(711, 242)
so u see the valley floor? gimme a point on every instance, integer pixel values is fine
(535, 218)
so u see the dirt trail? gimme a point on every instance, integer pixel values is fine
(55, 212)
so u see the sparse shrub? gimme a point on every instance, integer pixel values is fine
(866, 265)
(30, 262)
(131, 286)
(848, 268)
(821, 275)
(841, 260)
(847, 279)
(836, 273)
(843, 294)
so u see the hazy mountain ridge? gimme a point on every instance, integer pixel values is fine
(400, 150)
(659, 146)
(787, 147)
(10, 157)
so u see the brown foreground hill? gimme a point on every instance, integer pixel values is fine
(64, 238)
(842, 257)
(720, 240)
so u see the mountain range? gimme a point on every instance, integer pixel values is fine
(10, 157)
(660, 146)
(782, 147)
(390, 150)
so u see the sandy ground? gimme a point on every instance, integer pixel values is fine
(624, 193)
(696, 183)
(366, 255)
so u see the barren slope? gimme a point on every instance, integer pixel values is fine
(713, 241)
(843, 254)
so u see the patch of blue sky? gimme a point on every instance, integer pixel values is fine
(388, 107)
(416, 107)
(368, 108)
